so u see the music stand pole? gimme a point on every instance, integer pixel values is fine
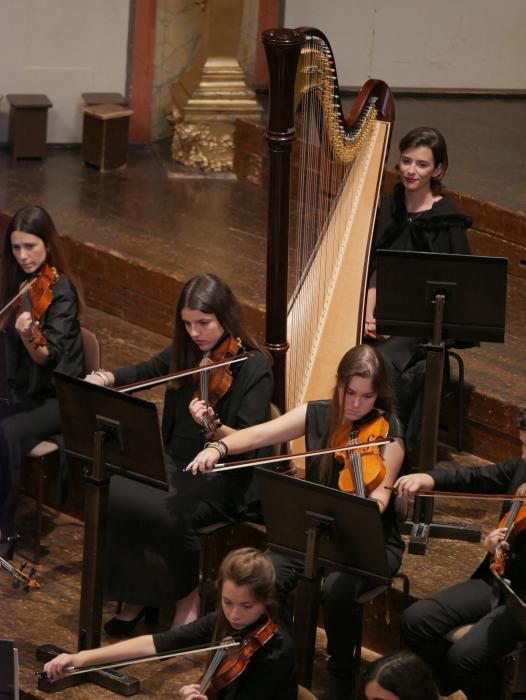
(91, 594)
(422, 526)
(95, 512)
(307, 598)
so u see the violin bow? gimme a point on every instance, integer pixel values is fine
(183, 373)
(260, 461)
(462, 494)
(74, 671)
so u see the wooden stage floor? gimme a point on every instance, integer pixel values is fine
(175, 224)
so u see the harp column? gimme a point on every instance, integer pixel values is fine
(282, 49)
(213, 93)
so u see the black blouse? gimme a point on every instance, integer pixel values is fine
(271, 671)
(441, 229)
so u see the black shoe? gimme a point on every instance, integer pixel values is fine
(124, 628)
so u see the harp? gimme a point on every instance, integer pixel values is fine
(324, 184)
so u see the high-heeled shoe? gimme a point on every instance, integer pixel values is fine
(123, 628)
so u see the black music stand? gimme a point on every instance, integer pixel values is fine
(443, 297)
(105, 432)
(324, 527)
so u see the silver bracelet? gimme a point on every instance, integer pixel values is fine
(103, 375)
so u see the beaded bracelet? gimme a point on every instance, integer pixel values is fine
(219, 446)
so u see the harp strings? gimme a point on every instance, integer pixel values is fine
(325, 154)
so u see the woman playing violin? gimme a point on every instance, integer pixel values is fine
(362, 395)
(153, 554)
(42, 334)
(471, 663)
(246, 610)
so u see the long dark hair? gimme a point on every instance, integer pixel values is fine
(211, 295)
(405, 675)
(433, 139)
(247, 567)
(37, 221)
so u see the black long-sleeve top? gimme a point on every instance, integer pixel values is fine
(503, 477)
(271, 671)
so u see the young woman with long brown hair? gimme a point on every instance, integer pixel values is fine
(34, 348)
(153, 553)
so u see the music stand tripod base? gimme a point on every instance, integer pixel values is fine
(420, 532)
(110, 678)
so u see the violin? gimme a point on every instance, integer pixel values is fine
(29, 580)
(226, 667)
(214, 384)
(363, 470)
(35, 296)
(515, 521)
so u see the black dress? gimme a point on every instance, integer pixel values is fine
(32, 414)
(472, 663)
(153, 553)
(270, 674)
(441, 229)
(340, 590)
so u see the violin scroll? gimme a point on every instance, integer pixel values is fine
(29, 580)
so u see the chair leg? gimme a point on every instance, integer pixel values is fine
(40, 500)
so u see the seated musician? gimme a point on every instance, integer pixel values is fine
(472, 662)
(247, 609)
(153, 553)
(42, 333)
(415, 217)
(362, 398)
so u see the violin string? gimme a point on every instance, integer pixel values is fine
(212, 668)
(203, 383)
